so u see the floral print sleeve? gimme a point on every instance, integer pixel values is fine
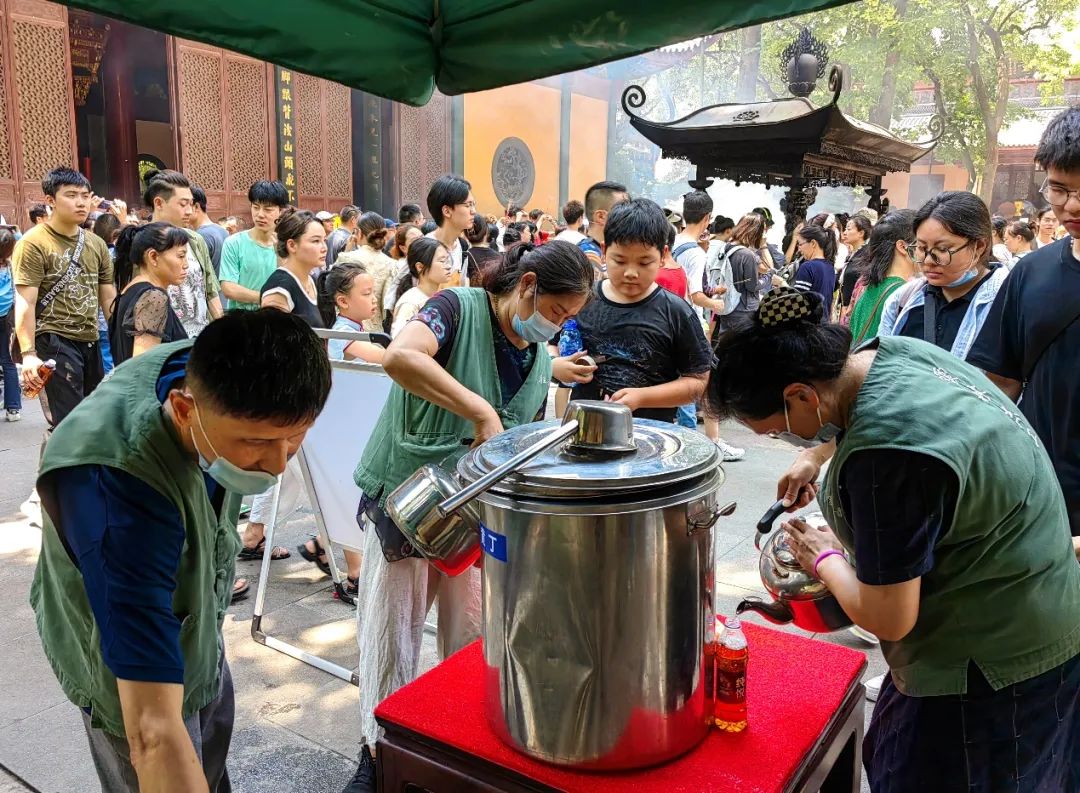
(441, 314)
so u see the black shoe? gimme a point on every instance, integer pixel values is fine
(365, 779)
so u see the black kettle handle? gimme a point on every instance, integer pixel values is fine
(764, 525)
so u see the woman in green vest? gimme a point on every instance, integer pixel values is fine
(955, 526)
(470, 364)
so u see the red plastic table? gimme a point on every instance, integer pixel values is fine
(805, 703)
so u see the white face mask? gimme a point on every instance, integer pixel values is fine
(537, 329)
(229, 475)
(825, 434)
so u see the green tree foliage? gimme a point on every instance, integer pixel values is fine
(966, 50)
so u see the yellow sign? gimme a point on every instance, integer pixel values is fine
(285, 137)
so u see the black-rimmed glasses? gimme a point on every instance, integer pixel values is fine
(942, 257)
(1056, 195)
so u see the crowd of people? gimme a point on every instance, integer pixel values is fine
(187, 375)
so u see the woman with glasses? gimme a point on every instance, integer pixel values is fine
(948, 305)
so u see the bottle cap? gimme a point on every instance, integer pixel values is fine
(51, 363)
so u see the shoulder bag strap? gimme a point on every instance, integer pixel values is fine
(877, 306)
(74, 267)
(929, 329)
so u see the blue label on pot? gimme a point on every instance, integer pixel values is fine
(493, 543)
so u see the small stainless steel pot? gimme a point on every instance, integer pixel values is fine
(602, 426)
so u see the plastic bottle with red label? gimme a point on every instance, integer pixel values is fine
(730, 659)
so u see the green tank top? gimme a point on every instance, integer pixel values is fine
(412, 431)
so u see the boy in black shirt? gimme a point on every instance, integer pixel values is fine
(649, 345)
(1029, 343)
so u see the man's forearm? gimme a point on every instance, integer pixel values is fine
(166, 762)
(25, 320)
(240, 294)
(673, 394)
(214, 306)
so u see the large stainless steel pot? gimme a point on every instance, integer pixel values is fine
(597, 590)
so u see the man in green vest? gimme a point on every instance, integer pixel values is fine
(141, 489)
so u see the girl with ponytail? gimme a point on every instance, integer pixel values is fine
(429, 264)
(149, 259)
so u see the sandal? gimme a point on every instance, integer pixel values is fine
(348, 591)
(240, 590)
(256, 554)
(315, 558)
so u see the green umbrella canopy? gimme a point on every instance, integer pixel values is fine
(404, 49)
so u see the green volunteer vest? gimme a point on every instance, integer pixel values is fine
(1004, 590)
(123, 426)
(412, 431)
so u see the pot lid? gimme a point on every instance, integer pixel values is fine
(665, 454)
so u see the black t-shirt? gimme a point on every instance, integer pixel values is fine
(650, 342)
(856, 266)
(284, 283)
(441, 315)
(899, 504)
(950, 316)
(1041, 295)
(143, 309)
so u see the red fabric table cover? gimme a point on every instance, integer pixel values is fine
(794, 686)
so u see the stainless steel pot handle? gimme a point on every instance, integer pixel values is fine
(467, 494)
(694, 525)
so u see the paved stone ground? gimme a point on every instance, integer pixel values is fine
(295, 725)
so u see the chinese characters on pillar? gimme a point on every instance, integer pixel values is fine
(285, 132)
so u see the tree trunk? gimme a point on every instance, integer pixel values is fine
(989, 173)
(749, 63)
(883, 110)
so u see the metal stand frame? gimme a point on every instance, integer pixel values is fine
(257, 632)
(264, 638)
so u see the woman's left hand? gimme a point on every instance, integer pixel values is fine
(571, 369)
(808, 542)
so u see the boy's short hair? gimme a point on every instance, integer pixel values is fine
(601, 196)
(672, 232)
(573, 211)
(266, 192)
(447, 191)
(38, 211)
(409, 212)
(348, 212)
(62, 177)
(637, 220)
(696, 205)
(198, 197)
(1059, 147)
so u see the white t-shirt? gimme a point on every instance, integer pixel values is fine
(406, 308)
(455, 253)
(571, 236)
(692, 260)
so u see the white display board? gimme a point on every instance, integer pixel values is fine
(335, 443)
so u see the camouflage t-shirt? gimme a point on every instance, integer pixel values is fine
(41, 258)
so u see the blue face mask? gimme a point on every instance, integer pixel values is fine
(230, 476)
(537, 329)
(968, 276)
(823, 435)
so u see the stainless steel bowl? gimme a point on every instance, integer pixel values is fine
(602, 426)
(450, 542)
